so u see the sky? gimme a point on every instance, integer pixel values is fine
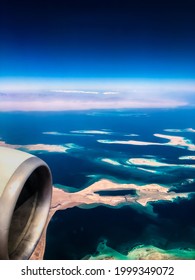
(98, 45)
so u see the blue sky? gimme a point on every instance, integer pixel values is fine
(104, 45)
(97, 39)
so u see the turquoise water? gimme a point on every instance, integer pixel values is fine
(75, 233)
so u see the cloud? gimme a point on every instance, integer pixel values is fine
(60, 105)
(75, 91)
(113, 95)
(110, 92)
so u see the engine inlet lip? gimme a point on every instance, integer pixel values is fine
(10, 197)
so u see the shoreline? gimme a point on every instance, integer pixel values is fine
(88, 197)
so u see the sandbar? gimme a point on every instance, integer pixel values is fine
(180, 130)
(147, 162)
(187, 157)
(55, 133)
(91, 132)
(174, 141)
(111, 161)
(128, 142)
(148, 170)
(37, 147)
(155, 163)
(132, 134)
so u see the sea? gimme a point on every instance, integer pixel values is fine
(97, 148)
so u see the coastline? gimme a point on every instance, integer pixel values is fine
(88, 197)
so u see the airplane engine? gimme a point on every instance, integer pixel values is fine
(25, 197)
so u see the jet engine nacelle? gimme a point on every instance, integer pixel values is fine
(25, 197)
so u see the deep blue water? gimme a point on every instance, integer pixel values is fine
(80, 236)
(27, 128)
(75, 233)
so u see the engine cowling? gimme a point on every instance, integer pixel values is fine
(25, 198)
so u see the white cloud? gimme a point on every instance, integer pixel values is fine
(110, 92)
(96, 94)
(61, 105)
(74, 91)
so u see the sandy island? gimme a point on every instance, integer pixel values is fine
(37, 147)
(177, 141)
(174, 141)
(88, 197)
(147, 162)
(187, 157)
(155, 163)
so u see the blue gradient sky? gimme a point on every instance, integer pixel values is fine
(143, 51)
(97, 39)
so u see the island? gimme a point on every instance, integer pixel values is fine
(89, 197)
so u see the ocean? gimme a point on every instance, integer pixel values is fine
(97, 148)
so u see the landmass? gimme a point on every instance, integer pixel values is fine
(89, 197)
